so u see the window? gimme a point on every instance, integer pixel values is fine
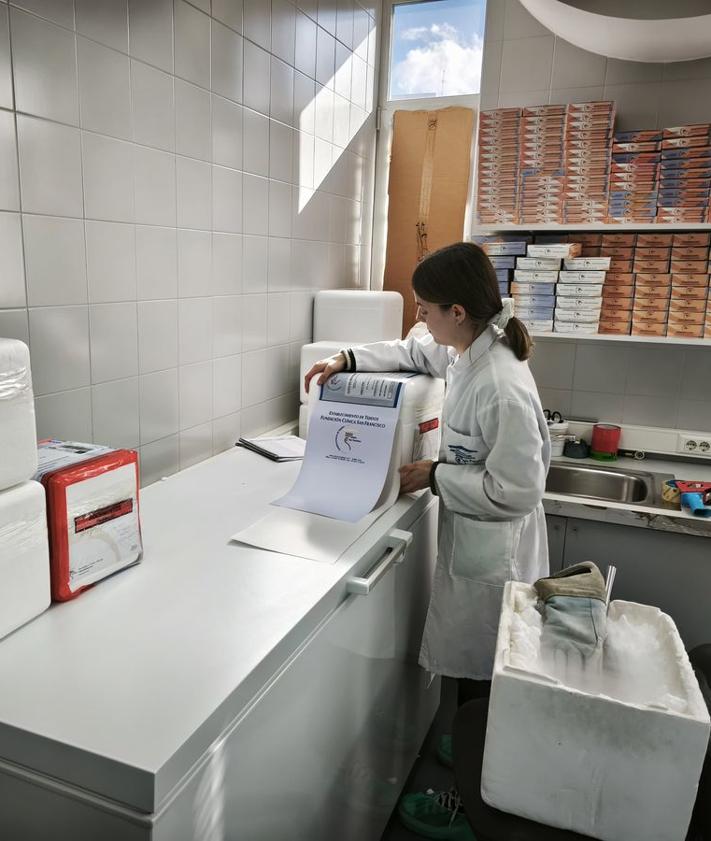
(436, 48)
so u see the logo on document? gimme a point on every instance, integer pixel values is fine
(345, 438)
(463, 455)
(333, 382)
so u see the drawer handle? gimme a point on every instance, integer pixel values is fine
(395, 554)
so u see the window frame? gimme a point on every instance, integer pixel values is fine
(384, 116)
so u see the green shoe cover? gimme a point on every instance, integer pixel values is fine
(445, 752)
(435, 814)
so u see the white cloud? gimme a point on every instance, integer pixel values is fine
(445, 65)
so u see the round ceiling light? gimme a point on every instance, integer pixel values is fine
(658, 39)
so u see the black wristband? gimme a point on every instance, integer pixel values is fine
(433, 484)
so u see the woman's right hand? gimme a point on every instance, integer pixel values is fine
(325, 367)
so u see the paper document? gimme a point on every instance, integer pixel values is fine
(349, 446)
(277, 448)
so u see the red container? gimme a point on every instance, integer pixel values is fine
(605, 441)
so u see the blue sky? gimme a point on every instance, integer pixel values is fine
(437, 46)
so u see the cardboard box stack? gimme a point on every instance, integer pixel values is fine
(497, 166)
(579, 293)
(587, 161)
(542, 165)
(634, 176)
(689, 315)
(652, 290)
(502, 251)
(618, 288)
(685, 176)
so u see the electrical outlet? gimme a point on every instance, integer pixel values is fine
(698, 445)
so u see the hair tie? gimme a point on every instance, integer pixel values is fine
(502, 318)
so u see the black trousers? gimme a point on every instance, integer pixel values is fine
(470, 690)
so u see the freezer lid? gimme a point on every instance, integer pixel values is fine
(123, 690)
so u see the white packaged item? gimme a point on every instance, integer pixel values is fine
(532, 289)
(587, 304)
(534, 313)
(362, 315)
(18, 431)
(418, 429)
(571, 290)
(24, 555)
(577, 316)
(575, 327)
(579, 264)
(314, 352)
(582, 277)
(538, 326)
(618, 759)
(538, 263)
(559, 250)
(535, 277)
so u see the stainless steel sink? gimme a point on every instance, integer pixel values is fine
(611, 484)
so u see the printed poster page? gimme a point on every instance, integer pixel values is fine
(349, 446)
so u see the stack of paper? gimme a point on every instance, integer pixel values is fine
(277, 448)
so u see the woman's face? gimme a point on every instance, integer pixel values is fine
(441, 321)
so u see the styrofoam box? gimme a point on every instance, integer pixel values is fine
(419, 424)
(363, 315)
(314, 352)
(18, 431)
(620, 765)
(24, 555)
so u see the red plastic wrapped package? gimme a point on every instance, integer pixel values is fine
(92, 516)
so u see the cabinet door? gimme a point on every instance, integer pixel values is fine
(670, 571)
(556, 541)
(324, 752)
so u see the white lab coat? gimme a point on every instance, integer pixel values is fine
(494, 454)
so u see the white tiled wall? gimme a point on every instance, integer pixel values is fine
(176, 179)
(525, 64)
(643, 385)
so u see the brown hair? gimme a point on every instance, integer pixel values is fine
(462, 274)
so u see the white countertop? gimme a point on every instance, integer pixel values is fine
(627, 513)
(141, 673)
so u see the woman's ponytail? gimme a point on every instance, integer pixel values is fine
(519, 339)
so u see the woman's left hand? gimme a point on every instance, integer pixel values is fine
(414, 477)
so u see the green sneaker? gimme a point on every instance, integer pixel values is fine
(445, 753)
(435, 814)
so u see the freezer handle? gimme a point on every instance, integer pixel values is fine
(399, 542)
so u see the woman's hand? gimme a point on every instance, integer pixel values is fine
(325, 367)
(415, 477)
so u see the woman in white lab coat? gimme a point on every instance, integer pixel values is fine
(493, 458)
(490, 477)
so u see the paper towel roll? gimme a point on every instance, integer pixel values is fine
(18, 431)
(24, 555)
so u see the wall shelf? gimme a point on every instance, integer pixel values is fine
(599, 226)
(603, 337)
